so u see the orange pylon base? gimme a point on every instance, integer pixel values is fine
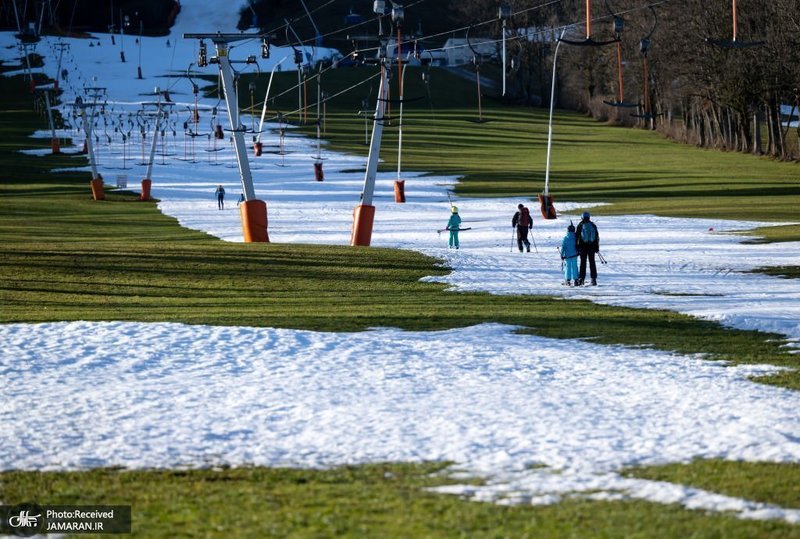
(546, 205)
(97, 189)
(363, 218)
(55, 145)
(146, 185)
(254, 221)
(258, 148)
(319, 175)
(400, 191)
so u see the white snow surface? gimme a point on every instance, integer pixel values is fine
(82, 395)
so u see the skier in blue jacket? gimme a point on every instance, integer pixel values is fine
(569, 254)
(453, 225)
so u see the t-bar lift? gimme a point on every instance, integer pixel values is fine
(253, 211)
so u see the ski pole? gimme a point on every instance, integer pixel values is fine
(512, 239)
(534, 242)
(602, 259)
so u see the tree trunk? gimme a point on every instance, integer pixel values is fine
(774, 125)
(702, 119)
(757, 149)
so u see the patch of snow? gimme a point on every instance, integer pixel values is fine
(83, 395)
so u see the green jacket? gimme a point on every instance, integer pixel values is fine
(454, 223)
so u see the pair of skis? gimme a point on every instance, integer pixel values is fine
(455, 229)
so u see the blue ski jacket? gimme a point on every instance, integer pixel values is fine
(569, 246)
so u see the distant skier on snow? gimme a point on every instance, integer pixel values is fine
(588, 245)
(523, 222)
(220, 192)
(453, 225)
(569, 254)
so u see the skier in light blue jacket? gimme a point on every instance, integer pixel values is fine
(569, 254)
(453, 225)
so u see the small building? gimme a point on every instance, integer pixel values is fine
(457, 50)
(790, 116)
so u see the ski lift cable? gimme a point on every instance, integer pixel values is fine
(353, 87)
(551, 2)
(296, 19)
(474, 25)
(319, 75)
(528, 35)
(342, 29)
(421, 1)
(486, 22)
(311, 78)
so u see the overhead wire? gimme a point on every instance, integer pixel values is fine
(525, 36)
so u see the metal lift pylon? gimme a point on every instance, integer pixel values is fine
(97, 180)
(253, 211)
(364, 213)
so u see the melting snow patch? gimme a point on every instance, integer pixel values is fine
(500, 404)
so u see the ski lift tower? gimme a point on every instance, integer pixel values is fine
(55, 143)
(97, 180)
(545, 198)
(364, 213)
(160, 113)
(60, 47)
(253, 211)
(504, 13)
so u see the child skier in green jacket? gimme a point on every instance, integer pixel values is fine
(453, 225)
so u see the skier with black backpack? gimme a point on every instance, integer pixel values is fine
(523, 222)
(588, 245)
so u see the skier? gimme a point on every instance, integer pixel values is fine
(241, 199)
(569, 254)
(588, 244)
(220, 192)
(523, 222)
(453, 225)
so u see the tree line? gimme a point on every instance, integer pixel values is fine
(699, 85)
(148, 17)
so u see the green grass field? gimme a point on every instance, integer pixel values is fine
(380, 500)
(66, 257)
(637, 171)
